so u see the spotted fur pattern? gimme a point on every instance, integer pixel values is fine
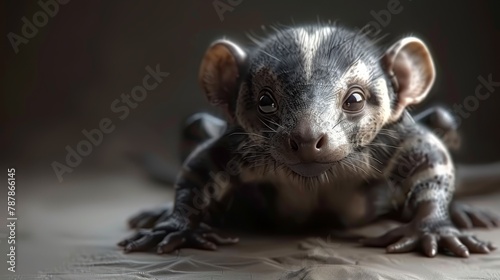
(381, 165)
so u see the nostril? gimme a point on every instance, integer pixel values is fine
(293, 144)
(321, 142)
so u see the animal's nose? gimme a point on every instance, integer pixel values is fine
(306, 143)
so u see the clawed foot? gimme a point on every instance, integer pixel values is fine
(465, 216)
(429, 237)
(148, 218)
(171, 235)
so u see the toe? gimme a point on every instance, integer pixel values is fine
(146, 242)
(138, 235)
(171, 242)
(219, 240)
(405, 244)
(197, 241)
(453, 244)
(480, 220)
(429, 245)
(461, 219)
(474, 245)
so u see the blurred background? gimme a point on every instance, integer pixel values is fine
(62, 75)
(65, 78)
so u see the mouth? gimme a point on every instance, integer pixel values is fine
(310, 169)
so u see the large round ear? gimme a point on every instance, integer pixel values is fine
(220, 72)
(410, 65)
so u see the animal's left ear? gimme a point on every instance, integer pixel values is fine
(220, 74)
(410, 64)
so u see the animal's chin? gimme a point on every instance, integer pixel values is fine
(312, 169)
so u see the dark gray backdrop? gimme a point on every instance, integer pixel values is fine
(64, 78)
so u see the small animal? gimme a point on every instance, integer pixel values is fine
(317, 135)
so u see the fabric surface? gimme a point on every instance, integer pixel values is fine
(69, 231)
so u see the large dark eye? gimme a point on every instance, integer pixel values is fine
(355, 101)
(267, 104)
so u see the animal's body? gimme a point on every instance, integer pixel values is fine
(317, 134)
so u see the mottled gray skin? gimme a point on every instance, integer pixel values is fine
(308, 159)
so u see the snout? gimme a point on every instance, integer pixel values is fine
(306, 145)
(309, 149)
(310, 169)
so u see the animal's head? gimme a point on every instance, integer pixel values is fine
(310, 96)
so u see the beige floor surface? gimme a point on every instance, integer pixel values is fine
(69, 231)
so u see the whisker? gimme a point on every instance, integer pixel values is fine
(275, 123)
(263, 122)
(375, 159)
(385, 145)
(270, 55)
(250, 134)
(366, 163)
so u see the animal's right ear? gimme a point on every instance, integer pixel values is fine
(410, 65)
(220, 72)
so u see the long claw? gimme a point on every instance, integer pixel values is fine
(455, 246)
(474, 245)
(171, 242)
(134, 237)
(219, 240)
(146, 242)
(148, 218)
(405, 244)
(202, 243)
(493, 218)
(461, 219)
(480, 220)
(171, 232)
(429, 245)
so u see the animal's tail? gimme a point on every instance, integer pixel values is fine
(477, 179)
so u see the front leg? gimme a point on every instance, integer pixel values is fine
(427, 185)
(442, 122)
(198, 189)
